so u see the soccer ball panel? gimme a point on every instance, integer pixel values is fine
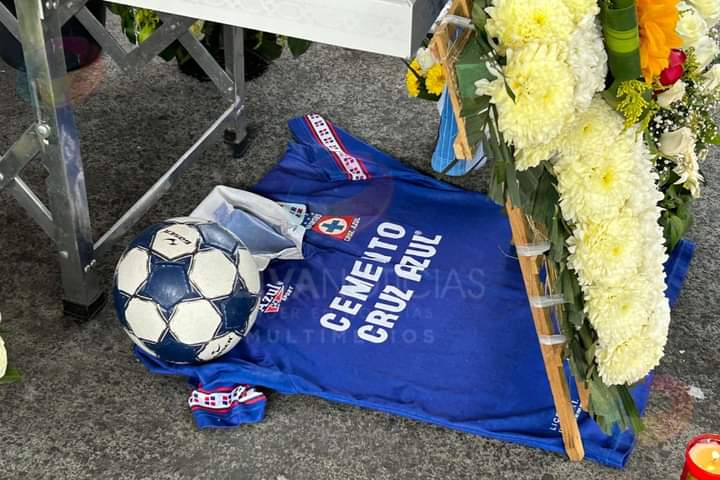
(133, 270)
(175, 241)
(219, 237)
(237, 308)
(248, 270)
(212, 273)
(219, 346)
(140, 343)
(168, 284)
(195, 322)
(145, 320)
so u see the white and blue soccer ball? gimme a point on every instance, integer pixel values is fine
(186, 290)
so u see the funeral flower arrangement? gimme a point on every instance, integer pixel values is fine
(597, 115)
(425, 77)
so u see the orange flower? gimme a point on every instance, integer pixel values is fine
(657, 20)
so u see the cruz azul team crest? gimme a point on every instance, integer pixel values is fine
(342, 228)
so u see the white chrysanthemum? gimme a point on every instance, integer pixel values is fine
(620, 312)
(646, 196)
(605, 254)
(592, 129)
(595, 171)
(582, 8)
(629, 361)
(608, 193)
(517, 24)
(588, 60)
(594, 187)
(658, 329)
(532, 155)
(543, 86)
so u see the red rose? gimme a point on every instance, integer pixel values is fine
(677, 57)
(675, 71)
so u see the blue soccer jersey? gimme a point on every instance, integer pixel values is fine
(408, 300)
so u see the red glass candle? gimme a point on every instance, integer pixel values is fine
(702, 458)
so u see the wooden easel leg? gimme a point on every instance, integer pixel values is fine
(584, 394)
(552, 354)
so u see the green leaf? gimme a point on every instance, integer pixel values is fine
(268, 46)
(675, 229)
(557, 240)
(613, 407)
(470, 67)
(298, 46)
(479, 16)
(12, 375)
(631, 409)
(508, 90)
(622, 40)
(512, 186)
(539, 196)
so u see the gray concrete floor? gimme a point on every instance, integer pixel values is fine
(87, 409)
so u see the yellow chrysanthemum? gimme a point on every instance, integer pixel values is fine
(657, 20)
(435, 79)
(518, 23)
(581, 8)
(412, 82)
(543, 86)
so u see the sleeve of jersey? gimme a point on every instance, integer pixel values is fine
(220, 396)
(224, 407)
(353, 159)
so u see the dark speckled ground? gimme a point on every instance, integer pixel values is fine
(87, 409)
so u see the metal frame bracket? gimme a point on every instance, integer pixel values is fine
(54, 137)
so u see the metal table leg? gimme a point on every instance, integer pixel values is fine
(54, 136)
(39, 29)
(236, 136)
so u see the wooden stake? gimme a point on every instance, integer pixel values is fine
(530, 266)
(583, 391)
(552, 354)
